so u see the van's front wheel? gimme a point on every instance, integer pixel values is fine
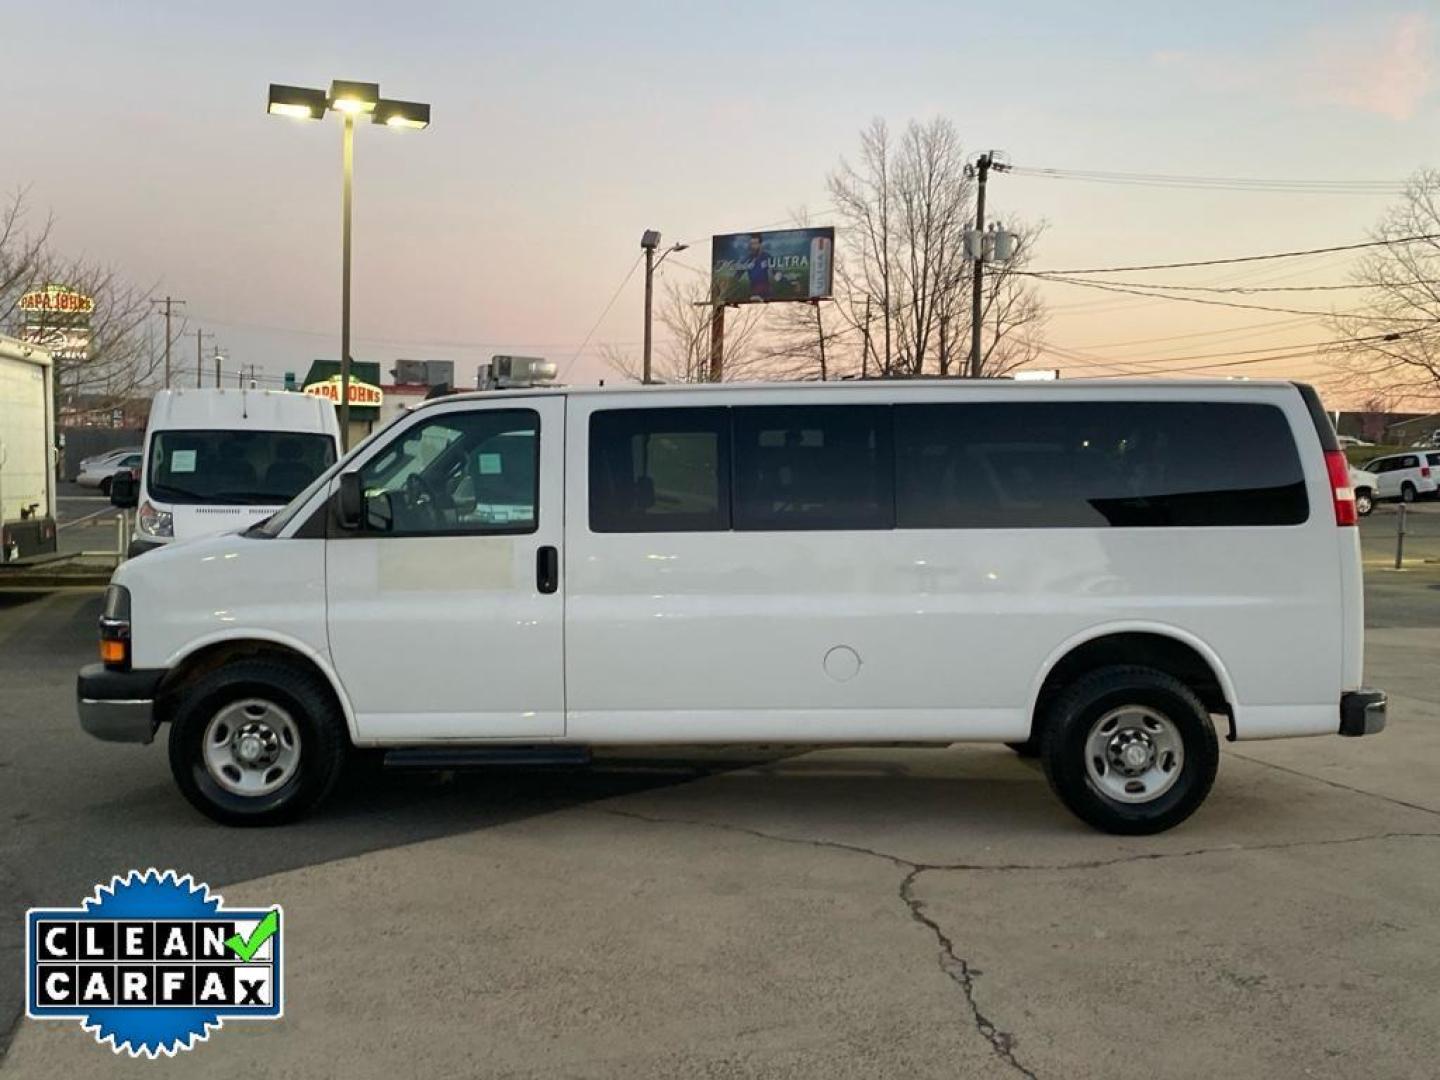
(1130, 750)
(256, 743)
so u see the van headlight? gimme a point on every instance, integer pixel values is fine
(154, 522)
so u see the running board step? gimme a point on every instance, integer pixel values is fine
(486, 757)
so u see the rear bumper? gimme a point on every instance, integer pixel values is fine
(118, 706)
(22, 539)
(1362, 712)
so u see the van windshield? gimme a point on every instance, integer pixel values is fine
(256, 468)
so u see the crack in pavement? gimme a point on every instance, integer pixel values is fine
(956, 967)
(963, 976)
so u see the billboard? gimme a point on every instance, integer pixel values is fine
(760, 267)
(57, 318)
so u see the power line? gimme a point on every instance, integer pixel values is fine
(1217, 303)
(605, 311)
(1219, 183)
(1240, 258)
(402, 343)
(1248, 289)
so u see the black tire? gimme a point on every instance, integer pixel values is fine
(1364, 502)
(323, 741)
(1030, 748)
(1083, 704)
(105, 486)
(1407, 492)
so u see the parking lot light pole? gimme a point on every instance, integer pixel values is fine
(350, 99)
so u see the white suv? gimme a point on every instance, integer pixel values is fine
(1406, 476)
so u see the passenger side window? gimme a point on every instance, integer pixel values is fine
(814, 467)
(1089, 464)
(659, 470)
(457, 473)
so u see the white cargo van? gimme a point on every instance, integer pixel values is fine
(1103, 573)
(220, 460)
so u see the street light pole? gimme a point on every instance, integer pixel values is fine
(649, 306)
(650, 240)
(348, 167)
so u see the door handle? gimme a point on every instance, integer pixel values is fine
(547, 569)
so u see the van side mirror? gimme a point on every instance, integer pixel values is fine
(350, 501)
(124, 489)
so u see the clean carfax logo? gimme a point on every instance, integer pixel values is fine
(152, 962)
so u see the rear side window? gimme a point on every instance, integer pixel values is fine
(1409, 462)
(813, 467)
(660, 470)
(1095, 464)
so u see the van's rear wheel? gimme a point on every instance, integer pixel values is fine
(1407, 492)
(1130, 750)
(256, 743)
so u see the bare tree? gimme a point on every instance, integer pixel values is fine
(903, 282)
(121, 362)
(22, 252)
(1391, 343)
(124, 360)
(683, 354)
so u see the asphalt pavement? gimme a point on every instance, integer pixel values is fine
(876, 912)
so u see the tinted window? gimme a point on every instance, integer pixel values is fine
(470, 472)
(243, 467)
(1409, 462)
(1433, 459)
(814, 467)
(659, 470)
(1087, 464)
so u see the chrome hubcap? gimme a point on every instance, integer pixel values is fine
(252, 747)
(1134, 754)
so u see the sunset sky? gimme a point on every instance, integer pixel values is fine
(562, 130)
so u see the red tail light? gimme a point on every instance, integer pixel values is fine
(1340, 489)
(1425, 471)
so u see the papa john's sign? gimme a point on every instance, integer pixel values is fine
(361, 393)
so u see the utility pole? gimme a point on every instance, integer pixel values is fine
(200, 335)
(169, 302)
(944, 345)
(982, 173)
(217, 367)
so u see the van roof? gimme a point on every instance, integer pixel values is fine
(850, 385)
(261, 410)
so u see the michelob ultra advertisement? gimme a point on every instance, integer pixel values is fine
(758, 267)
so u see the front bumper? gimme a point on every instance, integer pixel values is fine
(118, 706)
(1362, 712)
(139, 547)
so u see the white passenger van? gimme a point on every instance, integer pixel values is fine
(219, 460)
(1103, 573)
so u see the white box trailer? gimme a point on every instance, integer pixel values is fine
(27, 451)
